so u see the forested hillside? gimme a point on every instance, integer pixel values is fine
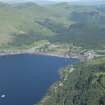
(23, 24)
(82, 84)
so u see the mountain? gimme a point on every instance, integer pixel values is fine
(85, 23)
(82, 84)
(39, 2)
(89, 2)
(21, 19)
(44, 2)
(22, 24)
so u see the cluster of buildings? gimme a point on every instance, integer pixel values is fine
(90, 54)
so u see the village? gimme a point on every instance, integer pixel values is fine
(46, 48)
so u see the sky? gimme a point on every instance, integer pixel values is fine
(47, 0)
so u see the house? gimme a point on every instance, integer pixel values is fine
(90, 54)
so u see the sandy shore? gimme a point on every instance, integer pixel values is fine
(75, 56)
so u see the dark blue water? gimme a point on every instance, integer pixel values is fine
(25, 79)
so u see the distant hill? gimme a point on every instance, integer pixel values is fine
(21, 24)
(87, 23)
(21, 19)
(44, 2)
(88, 2)
(39, 2)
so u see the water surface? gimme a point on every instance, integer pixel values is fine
(25, 79)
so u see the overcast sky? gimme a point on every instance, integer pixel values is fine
(47, 0)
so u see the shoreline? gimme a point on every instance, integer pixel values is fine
(72, 56)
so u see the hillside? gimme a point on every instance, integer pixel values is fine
(23, 24)
(83, 84)
(87, 23)
(20, 21)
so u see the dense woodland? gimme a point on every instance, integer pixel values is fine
(84, 85)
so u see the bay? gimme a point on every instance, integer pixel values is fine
(25, 79)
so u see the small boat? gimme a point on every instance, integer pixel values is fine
(3, 96)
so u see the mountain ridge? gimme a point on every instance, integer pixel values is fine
(58, 23)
